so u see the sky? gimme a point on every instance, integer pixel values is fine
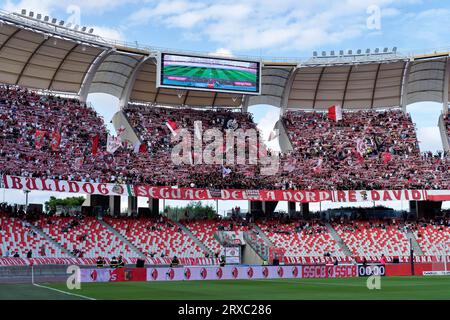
(262, 28)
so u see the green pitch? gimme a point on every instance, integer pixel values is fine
(392, 288)
(209, 73)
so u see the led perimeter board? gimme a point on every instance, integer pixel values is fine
(180, 71)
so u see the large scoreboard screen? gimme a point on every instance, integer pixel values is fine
(208, 73)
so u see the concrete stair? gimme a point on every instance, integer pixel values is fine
(263, 235)
(338, 239)
(193, 237)
(50, 239)
(125, 240)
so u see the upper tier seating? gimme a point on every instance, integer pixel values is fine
(300, 239)
(157, 237)
(347, 164)
(373, 238)
(17, 236)
(86, 235)
(150, 124)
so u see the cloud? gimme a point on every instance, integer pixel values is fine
(266, 117)
(109, 33)
(222, 52)
(264, 24)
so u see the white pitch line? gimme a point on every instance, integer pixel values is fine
(61, 291)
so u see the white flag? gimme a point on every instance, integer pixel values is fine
(113, 143)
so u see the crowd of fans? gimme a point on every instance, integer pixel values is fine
(365, 150)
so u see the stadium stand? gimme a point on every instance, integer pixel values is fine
(150, 125)
(84, 237)
(373, 238)
(17, 236)
(301, 239)
(366, 150)
(157, 237)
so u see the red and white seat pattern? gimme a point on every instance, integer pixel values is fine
(17, 236)
(99, 241)
(365, 240)
(162, 239)
(301, 244)
(204, 231)
(434, 240)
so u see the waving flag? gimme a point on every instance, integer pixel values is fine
(95, 141)
(112, 144)
(318, 167)
(140, 147)
(121, 131)
(56, 140)
(78, 162)
(387, 157)
(172, 125)
(335, 113)
(39, 138)
(361, 146)
(225, 171)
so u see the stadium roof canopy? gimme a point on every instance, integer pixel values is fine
(51, 56)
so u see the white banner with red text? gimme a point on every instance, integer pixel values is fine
(174, 193)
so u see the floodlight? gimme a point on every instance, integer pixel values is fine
(61, 23)
(341, 52)
(54, 20)
(385, 50)
(31, 14)
(394, 49)
(367, 51)
(46, 18)
(350, 52)
(314, 53)
(91, 30)
(76, 27)
(332, 53)
(324, 54)
(83, 29)
(24, 12)
(39, 16)
(377, 50)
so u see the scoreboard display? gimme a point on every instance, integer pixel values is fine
(208, 74)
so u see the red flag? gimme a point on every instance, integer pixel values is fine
(143, 148)
(386, 157)
(39, 138)
(172, 125)
(95, 140)
(56, 140)
(335, 113)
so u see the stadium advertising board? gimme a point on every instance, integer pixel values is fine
(328, 271)
(208, 73)
(223, 273)
(174, 193)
